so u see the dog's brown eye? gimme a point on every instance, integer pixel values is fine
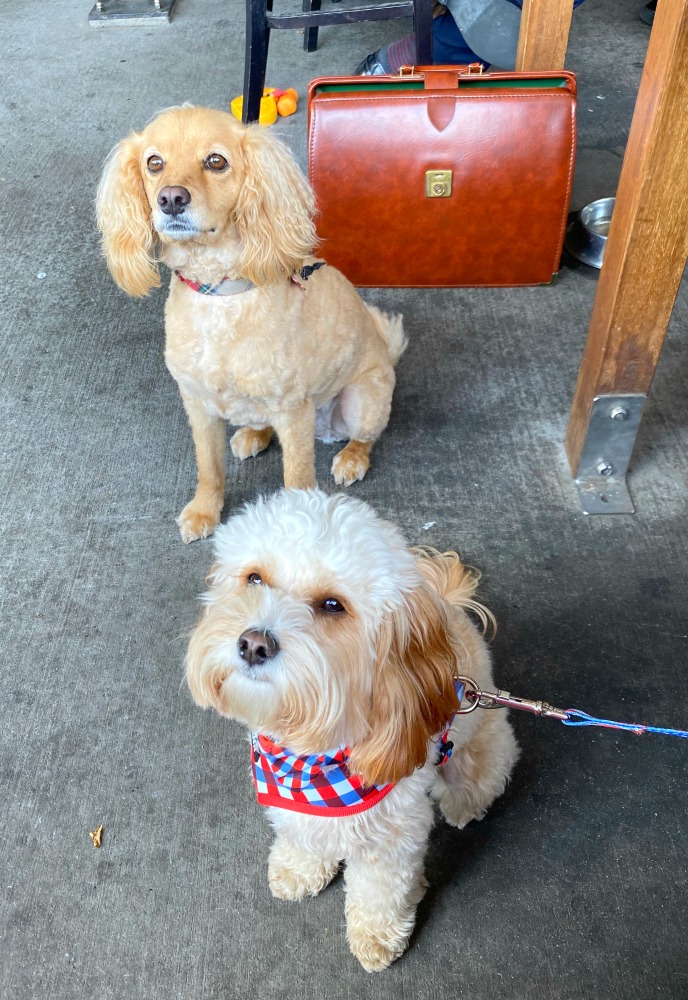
(254, 578)
(333, 606)
(155, 163)
(216, 162)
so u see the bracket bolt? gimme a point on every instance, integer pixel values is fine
(605, 469)
(619, 413)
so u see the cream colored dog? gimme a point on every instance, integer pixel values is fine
(258, 332)
(337, 646)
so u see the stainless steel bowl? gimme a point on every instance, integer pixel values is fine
(586, 236)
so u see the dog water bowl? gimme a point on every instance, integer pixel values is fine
(586, 236)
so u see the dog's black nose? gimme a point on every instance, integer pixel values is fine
(173, 200)
(256, 647)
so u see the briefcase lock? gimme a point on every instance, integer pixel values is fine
(438, 183)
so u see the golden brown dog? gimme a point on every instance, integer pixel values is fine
(258, 332)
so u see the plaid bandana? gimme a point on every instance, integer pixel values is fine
(319, 785)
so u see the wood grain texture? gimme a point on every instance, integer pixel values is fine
(544, 35)
(647, 245)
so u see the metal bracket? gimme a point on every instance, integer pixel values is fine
(125, 13)
(612, 430)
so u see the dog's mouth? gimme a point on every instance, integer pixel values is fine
(178, 229)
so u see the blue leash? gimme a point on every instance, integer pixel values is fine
(475, 698)
(577, 718)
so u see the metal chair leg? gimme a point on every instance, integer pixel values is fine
(422, 27)
(256, 58)
(258, 37)
(310, 35)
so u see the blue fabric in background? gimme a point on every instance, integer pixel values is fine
(450, 48)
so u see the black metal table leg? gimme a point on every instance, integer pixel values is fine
(310, 35)
(256, 58)
(422, 26)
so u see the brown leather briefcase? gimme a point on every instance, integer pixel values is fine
(443, 176)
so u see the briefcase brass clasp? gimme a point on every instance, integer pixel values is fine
(438, 183)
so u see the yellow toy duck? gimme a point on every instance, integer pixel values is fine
(274, 102)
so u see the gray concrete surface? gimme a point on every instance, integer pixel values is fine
(574, 886)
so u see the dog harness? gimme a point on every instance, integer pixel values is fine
(319, 785)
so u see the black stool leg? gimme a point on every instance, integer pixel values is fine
(422, 27)
(256, 57)
(310, 35)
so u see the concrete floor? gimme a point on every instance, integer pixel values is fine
(573, 887)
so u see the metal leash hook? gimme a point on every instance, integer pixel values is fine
(502, 699)
(476, 698)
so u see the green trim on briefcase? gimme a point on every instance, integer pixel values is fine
(474, 82)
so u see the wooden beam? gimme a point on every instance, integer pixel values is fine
(648, 237)
(544, 34)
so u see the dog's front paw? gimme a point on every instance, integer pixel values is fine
(294, 875)
(196, 522)
(374, 953)
(247, 442)
(351, 463)
(459, 814)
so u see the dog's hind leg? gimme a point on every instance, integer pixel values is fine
(248, 442)
(365, 405)
(201, 516)
(478, 771)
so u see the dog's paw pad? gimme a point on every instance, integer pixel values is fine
(195, 524)
(247, 442)
(348, 466)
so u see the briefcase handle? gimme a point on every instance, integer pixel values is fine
(450, 77)
(442, 77)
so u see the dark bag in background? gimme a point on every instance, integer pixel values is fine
(443, 176)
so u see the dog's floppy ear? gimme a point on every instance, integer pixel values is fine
(413, 694)
(124, 219)
(204, 670)
(274, 211)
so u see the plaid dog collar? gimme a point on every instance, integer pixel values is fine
(320, 784)
(227, 286)
(224, 287)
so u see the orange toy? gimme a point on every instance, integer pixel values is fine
(287, 100)
(273, 102)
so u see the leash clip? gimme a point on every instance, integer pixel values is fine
(502, 699)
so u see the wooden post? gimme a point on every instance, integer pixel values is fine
(544, 34)
(648, 237)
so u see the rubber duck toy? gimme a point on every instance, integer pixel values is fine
(274, 102)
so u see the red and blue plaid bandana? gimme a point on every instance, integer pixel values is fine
(319, 785)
